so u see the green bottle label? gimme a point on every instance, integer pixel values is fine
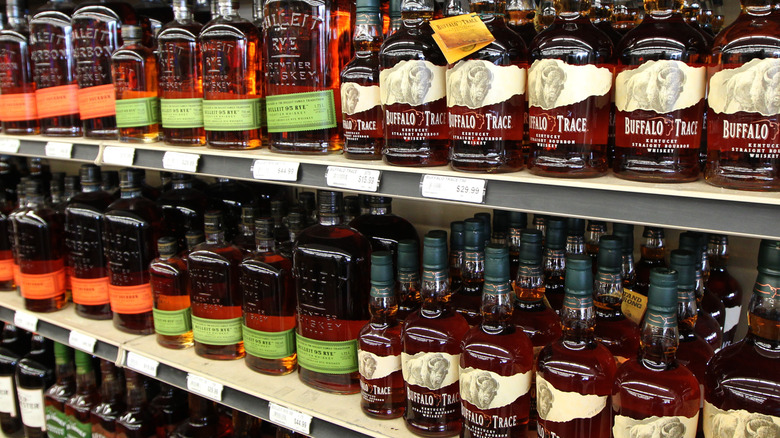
(77, 429)
(269, 345)
(56, 422)
(172, 322)
(263, 112)
(216, 331)
(182, 113)
(232, 115)
(328, 357)
(134, 113)
(301, 111)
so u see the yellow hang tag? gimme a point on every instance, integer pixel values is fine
(634, 305)
(460, 35)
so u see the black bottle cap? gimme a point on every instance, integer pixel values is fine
(575, 226)
(213, 221)
(380, 201)
(457, 236)
(597, 226)
(485, 218)
(500, 221)
(90, 174)
(72, 183)
(556, 233)
(439, 234)
(473, 235)
(33, 187)
(531, 247)
(610, 254)
(193, 238)
(329, 202)
(653, 232)
(351, 206)
(278, 208)
(579, 275)
(434, 252)
(408, 256)
(496, 263)
(691, 241)
(263, 228)
(684, 262)
(382, 269)
(130, 178)
(166, 246)
(626, 233)
(769, 257)
(518, 219)
(662, 296)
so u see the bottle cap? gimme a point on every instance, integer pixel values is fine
(575, 226)
(579, 275)
(351, 206)
(193, 238)
(367, 6)
(33, 187)
(263, 228)
(485, 218)
(131, 32)
(684, 262)
(439, 234)
(500, 221)
(626, 233)
(380, 201)
(83, 362)
(278, 208)
(473, 235)
(691, 241)
(166, 246)
(382, 269)
(719, 239)
(496, 263)
(610, 257)
(556, 233)
(531, 247)
(248, 214)
(408, 257)
(653, 233)
(62, 353)
(597, 226)
(662, 296)
(212, 221)
(769, 257)
(130, 178)
(435, 252)
(71, 183)
(295, 220)
(329, 202)
(109, 178)
(518, 219)
(457, 235)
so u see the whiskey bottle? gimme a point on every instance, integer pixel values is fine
(395, 17)
(431, 350)
(412, 81)
(17, 81)
(331, 271)
(575, 236)
(600, 15)
(484, 217)
(132, 227)
(182, 207)
(627, 270)
(723, 285)
(711, 313)
(488, 85)
(741, 383)
(60, 392)
(383, 228)
(408, 278)
(279, 231)
(500, 229)
(245, 240)
(268, 306)
(540, 223)
(555, 262)
(518, 221)
(112, 401)
(54, 71)
(569, 82)
(379, 346)
(457, 253)
(21, 207)
(137, 420)
(181, 79)
(361, 109)
(232, 110)
(169, 408)
(215, 293)
(86, 396)
(616, 332)
(15, 343)
(6, 252)
(203, 420)
(247, 426)
(34, 374)
(352, 208)
(626, 14)
(230, 196)
(257, 20)
(574, 375)
(467, 299)
(743, 113)
(520, 18)
(654, 391)
(171, 307)
(652, 256)
(595, 231)
(496, 363)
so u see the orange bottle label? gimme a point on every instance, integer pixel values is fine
(18, 107)
(6, 269)
(17, 274)
(42, 286)
(131, 299)
(89, 291)
(57, 101)
(97, 101)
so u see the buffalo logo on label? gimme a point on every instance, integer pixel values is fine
(478, 388)
(412, 82)
(471, 86)
(553, 83)
(350, 96)
(427, 370)
(544, 399)
(754, 87)
(367, 366)
(654, 87)
(744, 425)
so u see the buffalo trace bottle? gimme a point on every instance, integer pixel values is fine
(137, 420)
(659, 97)
(268, 305)
(412, 78)
(307, 45)
(555, 262)
(180, 77)
(331, 270)
(17, 82)
(569, 86)
(58, 394)
(741, 384)
(431, 349)
(520, 18)
(361, 107)
(627, 271)
(112, 401)
(86, 396)
(486, 99)
(652, 256)
(711, 313)
(132, 227)
(34, 374)
(379, 346)
(232, 110)
(496, 362)
(171, 312)
(743, 107)
(467, 298)
(457, 252)
(383, 228)
(653, 392)
(215, 294)
(54, 70)
(724, 285)
(517, 221)
(574, 375)
(408, 278)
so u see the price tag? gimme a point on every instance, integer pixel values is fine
(180, 161)
(141, 364)
(9, 145)
(453, 188)
(55, 149)
(354, 179)
(82, 341)
(118, 155)
(205, 387)
(275, 170)
(289, 418)
(26, 321)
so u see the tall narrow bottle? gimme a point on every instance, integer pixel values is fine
(86, 396)
(408, 278)
(466, 300)
(137, 420)
(17, 76)
(58, 394)
(112, 401)
(14, 345)
(652, 256)
(555, 262)
(34, 374)
(724, 285)
(171, 312)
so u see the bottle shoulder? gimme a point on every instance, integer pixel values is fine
(681, 42)
(411, 42)
(592, 362)
(510, 345)
(576, 42)
(756, 32)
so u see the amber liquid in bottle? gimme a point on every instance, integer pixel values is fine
(723, 285)
(467, 299)
(6, 254)
(86, 396)
(652, 256)
(172, 313)
(17, 82)
(408, 278)
(520, 18)
(112, 401)
(554, 263)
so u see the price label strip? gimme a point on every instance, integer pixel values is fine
(9, 145)
(205, 387)
(275, 170)
(289, 418)
(180, 161)
(453, 188)
(141, 364)
(26, 321)
(364, 180)
(55, 149)
(82, 341)
(118, 155)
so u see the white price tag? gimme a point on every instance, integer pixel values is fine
(26, 321)
(289, 418)
(118, 155)
(180, 161)
(275, 170)
(82, 341)
(205, 387)
(9, 145)
(141, 364)
(56, 149)
(354, 179)
(453, 188)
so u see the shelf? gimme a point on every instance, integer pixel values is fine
(693, 206)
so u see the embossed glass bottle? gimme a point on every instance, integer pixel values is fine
(17, 81)
(112, 401)
(57, 395)
(171, 312)
(86, 396)
(408, 278)
(555, 262)
(137, 420)
(724, 285)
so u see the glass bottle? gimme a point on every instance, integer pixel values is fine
(520, 18)
(408, 278)
(616, 332)
(517, 222)
(352, 208)
(57, 395)
(112, 401)
(627, 271)
(14, 345)
(466, 300)
(555, 262)
(379, 346)
(133, 224)
(232, 111)
(600, 15)
(431, 350)
(169, 408)
(708, 304)
(496, 363)
(230, 196)
(109, 181)
(34, 374)
(383, 228)
(743, 112)
(575, 236)
(413, 83)
(724, 285)
(457, 252)
(17, 81)
(594, 232)
(19, 210)
(268, 305)
(654, 391)
(180, 79)
(158, 12)
(279, 232)
(137, 420)
(574, 375)
(569, 85)
(245, 240)
(171, 312)
(215, 293)
(500, 229)
(203, 421)
(6, 252)
(182, 207)
(652, 256)
(626, 14)
(361, 109)
(86, 396)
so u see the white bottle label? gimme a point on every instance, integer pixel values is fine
(750, 88)
(488, 390)
(475, 83)
(430, 370)
(412, 82)
(553, 404)
(7, 401)
(666, 427)
(732, 318)
(553, 83)
(31, 405)
(358, 98)
(660, 86)
(738, 423)
(373, 367)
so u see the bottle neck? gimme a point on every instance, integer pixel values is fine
(215, 237)
(225, 9)
(529, 285)
(34, 201)
(90, 187)
(571, 9)
(200, 407)
(181, 12)
(554, 259)
(65, 372)
(578, 320)
(718, 255)
(330, 219)
(762, 313)
(110, 388)
(653, 248)
(659, 340)
(497, 306)
(129, 193)
(661, 9)
(435, 291)
(136, 394)
(367, 38)
(687, 311)
(265, 245)
(575, 245)
(383, 309)
(756, 7)
(488, 9)
(608, 294)
(85, 382)
(379, 210)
